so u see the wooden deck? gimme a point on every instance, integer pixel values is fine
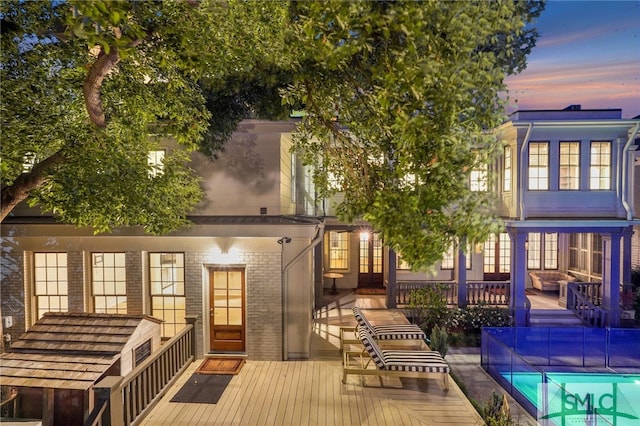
(311, 392)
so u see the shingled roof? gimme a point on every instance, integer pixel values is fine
(68, 350)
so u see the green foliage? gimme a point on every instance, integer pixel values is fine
(428, 307)
(185, 71)
(438, 340)
(399, 96)
(473, 317)
(496, 411)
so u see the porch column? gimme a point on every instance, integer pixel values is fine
(611, 277)
(518, 299)
(391, 285)
(626, 258)
(461, 274)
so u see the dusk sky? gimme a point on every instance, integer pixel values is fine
(588, 53)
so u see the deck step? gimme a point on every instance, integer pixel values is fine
(554, 318)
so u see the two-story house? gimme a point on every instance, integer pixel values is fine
(252, 264)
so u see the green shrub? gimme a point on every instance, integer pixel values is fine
(428, 307)
(496, 411)
(439, 341)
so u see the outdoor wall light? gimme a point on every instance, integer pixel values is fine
(284, 240)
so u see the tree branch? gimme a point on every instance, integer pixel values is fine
(92, 84)
(19, 190)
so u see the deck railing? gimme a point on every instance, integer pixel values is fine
(590, 314)
(9, 407)
(478, 292)
(128, 400)
(591, 291)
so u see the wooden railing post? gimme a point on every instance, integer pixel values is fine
(109, 389)
(191, 320)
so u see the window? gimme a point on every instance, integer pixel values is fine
(542, 251)
(600, 171)
(108, 278)
(155, 161)
(569, 166)
(478, 178)
(538, 166)
(448, 259)
(497, 257)
(166, 277)
(506, 170)
(293, 177)
(28, 161)
(551, 251)
(534, 245)
(338, 250)
(51, 285)
(596, 254)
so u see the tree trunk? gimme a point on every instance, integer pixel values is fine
(92, 84)
(19, 190)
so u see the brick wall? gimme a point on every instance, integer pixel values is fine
(75, 279)
(135, 295)
(12, 288)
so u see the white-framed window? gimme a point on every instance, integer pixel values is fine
(294, 177)
(600, 167)
(51, 286)
(448, 258)
(539, 166)
(168, 301)
(478, 178)
(108, 283)
(155, 160)
(28, 161)
(542, 249)
(338, 250)
(569, 166)
(506, 170)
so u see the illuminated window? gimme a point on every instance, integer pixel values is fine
(109, 284)
(600, 171)
(569, 165)
(51, 285)
(155, 160)
(538, 166)
(478, 178)
(541, 251)
(338, 250)
(28, 161)
(402, 264)
(166, 277)
(448, 259)
(506, 170)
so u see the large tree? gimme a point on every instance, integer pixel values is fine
(399, 98)
(84, 83)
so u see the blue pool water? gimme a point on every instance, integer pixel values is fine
(580, 398)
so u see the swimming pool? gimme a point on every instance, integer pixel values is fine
(568, 376)
(576, 398)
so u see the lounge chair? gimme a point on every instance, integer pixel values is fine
(396, 363)
(380, 332)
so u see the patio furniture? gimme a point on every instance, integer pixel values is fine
(393, 363)
(549, 280)
(395, 332)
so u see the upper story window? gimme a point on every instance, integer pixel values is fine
(478, 178)
(539, 166)
(168, 302)
(506, 170)
(338, 250)
(569, 166)
(600, 170)
(108, 281)
(155, 160)
(51, 283)
(28, 161)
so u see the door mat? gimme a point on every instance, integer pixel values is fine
(222, 365)
(202, 389)
(369, 291)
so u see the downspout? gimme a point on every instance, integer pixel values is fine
(625, 171)
(314, 242)
(520, 173)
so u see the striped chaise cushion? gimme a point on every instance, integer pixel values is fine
(415, 361)
(371, 347)
(399, 360)
(389, 332)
